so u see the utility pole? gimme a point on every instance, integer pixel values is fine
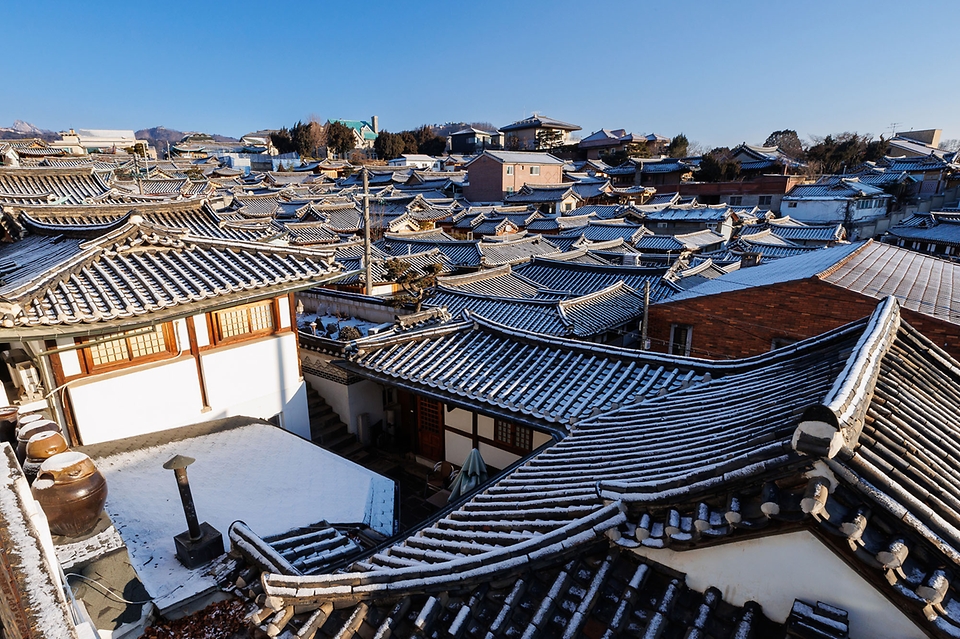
(366, 233)
(646, 311)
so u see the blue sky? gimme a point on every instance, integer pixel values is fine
(721, 72)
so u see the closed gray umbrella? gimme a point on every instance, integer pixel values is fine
(472, 474)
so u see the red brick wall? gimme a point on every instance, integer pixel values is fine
(486, 180)
(744, 323)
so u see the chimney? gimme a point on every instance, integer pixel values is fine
(750, 258)
(200, 543)
(375, 123)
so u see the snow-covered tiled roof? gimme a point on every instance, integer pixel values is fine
(496, 282)
(51, 185)
(941, 229)
(462, 253)
(518, 157)
(835, 189)
(921, 283)
(580, 279)
(139, 269)
(496, 253)
(847, 435)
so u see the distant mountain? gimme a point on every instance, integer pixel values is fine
(21, 129)
(160, 136)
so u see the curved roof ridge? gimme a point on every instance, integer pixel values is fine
(839, 263)
(616, 286)
(479, 276)
(837, 421)
(496, 298)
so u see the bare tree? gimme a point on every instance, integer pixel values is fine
(952, 145)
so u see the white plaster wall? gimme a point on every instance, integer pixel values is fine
(774, 571)
(457, 447)
(349, 402)
(485, 427)
(365, 397)
(69, 360)
(258, 379)
(818, 210)
(200, 325)
(539, 439)
(335, 394)
(494, 456)
(137, 401)
(460, 419)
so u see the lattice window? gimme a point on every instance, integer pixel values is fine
(130, 346)
(514, 436)
(250, 320)
(109, 352)
(233, 323)
(431, 414)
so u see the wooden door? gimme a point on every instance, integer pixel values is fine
(430, 428)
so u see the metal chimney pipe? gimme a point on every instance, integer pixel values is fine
(179, 467)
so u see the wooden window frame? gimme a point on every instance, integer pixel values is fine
(169, 351)
(216, 334)
(513, 431)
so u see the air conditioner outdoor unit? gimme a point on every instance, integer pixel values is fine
(27, 379)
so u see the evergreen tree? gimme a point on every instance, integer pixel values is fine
(340, 138)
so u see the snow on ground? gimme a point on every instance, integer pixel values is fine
(272, 480)
(330, 325)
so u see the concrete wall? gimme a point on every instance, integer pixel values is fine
(773, 571)
(348, 401)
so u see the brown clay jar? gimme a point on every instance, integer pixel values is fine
(28, 430)
(71, 492)
(9, 420)
(40, 448)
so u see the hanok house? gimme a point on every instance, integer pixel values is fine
(605, 142)
(524, 135)
(935, 233)
(863, 209)
(821, 506)
(753, 310)
(493, 175)
(125, 327)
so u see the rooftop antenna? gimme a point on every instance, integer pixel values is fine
(893, 128)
